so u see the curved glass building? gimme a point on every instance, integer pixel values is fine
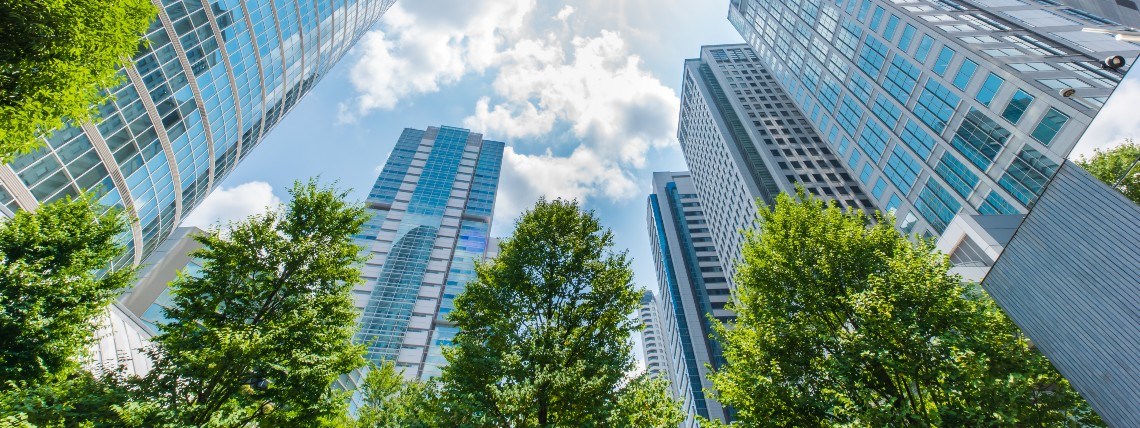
(215, 77)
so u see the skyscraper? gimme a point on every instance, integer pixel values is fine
(652, 342)
(214, 78)
(690, 285)
(430, 218)
(744, 140)
(953, 105)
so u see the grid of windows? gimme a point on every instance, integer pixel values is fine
(1027, 175)
(936, 105)
(902, 169)
(1017, 106)
(956, 174)
(979, 138)
(901, 79)
(1049, 126)
(936, 205)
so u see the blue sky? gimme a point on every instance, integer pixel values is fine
(584, 93)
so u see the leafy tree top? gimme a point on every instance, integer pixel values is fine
(1117, 166)
(54, 284)
(57, 58)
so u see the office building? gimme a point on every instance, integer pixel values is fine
(120, 344)
(944, 106)
(690, 285)
(652, 341)
(213, 80)
(430, 216)
(150, 295)
(1111, 13)
(1069, 276)
(745, 141)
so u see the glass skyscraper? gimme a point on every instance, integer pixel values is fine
(690, 286)
(954, 106)
(430, 218)
(743, 149)
(214, 78)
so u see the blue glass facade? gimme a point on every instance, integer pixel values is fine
(691, 288)
(214, 78)
(964, 90)
(430, 213)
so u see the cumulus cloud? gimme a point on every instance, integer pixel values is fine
(599, 89)
(549, 87)
(233, 204)
(582, 175)
(564, 13)
(422, 46)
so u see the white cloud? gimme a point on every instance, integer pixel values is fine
(422, 46)
(582, 175)
(233, 204)
(614, 106)
(1115, 122)
(548, 84)
(564, 13)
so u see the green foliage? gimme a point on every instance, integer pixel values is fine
(392, 402)
(271, 302)
(544, 330)
(51, 291)
(56, 58)
(1112, 165)
(645, 402)
(78, 400)
(847, 323)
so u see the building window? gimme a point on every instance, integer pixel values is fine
(907, 36)
(1027, 174)
(924, 46)
(1049, 126)
(889, 30)
(886, 111)
(965, 73)
(989, 88)
(979, 139)
(936, 105)
(1016, 107)
(872, 56)
(880, 186)
(917, 139)
(943, 61)
(956, 174)
(901, 79)
(902, 169)
(994, 204)
(873, 140)
(849, 114)
(936, 205)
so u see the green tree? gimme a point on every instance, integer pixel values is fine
(845, 322)
(259, 335)
(55, 282)
(56, 59)
(392, 402)
(1112, 166)
(544, 331)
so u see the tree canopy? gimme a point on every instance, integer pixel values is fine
(56, 59)
(259, 335)
(55, 282)
(845, 322)
(1112, 165)
(544, 332)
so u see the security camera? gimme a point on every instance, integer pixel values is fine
(1068, 92)
(1113, 62)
